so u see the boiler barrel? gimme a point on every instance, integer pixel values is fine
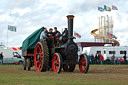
(70, 26)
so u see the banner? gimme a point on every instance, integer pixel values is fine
(12, 28)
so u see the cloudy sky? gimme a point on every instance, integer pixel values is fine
(30, 15)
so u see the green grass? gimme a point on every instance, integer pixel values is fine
(14, 75)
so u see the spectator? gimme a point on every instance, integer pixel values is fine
(101, 59)
(121, 60)
(92, 58)
(96, 57)
(117, 61)
(125, 61)
(1, 58)
(43, 35)
(89, 57)
(113, 58)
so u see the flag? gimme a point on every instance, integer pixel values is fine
(111, 35)
(107, 8)
(114, 8)
(77, 35)
(100, 9)
(12, 28)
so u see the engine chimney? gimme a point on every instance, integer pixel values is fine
(70, 26)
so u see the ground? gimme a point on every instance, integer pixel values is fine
(97, 75)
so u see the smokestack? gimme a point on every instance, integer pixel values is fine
(70, 26)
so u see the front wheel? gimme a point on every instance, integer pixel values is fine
(57, 62)
(83, 63)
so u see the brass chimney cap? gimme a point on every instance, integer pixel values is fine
(70, 16)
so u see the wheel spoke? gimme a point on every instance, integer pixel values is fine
(57, 62)
(38, 61)
(40, 50)
(41, 54)
(83, 63)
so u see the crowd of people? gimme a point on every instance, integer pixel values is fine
(99, 59)
(118, 60)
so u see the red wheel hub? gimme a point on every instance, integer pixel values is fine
(38, 57)
(55, 63)
(82, 65)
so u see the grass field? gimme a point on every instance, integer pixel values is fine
(97, 75)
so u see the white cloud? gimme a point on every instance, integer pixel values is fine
(20, 11)
(6, 18)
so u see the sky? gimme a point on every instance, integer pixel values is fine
(30, 15)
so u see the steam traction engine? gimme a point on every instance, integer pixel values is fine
(57, 53)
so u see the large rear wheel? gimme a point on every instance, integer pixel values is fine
(41, 56)
(57, 62)
(83, 63)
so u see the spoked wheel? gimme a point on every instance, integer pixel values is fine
(28, 64)
(69, 67)
(24, 63)
(57, 63)
(83, 63)
(41, 57)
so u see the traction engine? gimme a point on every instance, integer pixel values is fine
(58, 53)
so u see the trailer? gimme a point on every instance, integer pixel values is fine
(107, 51)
